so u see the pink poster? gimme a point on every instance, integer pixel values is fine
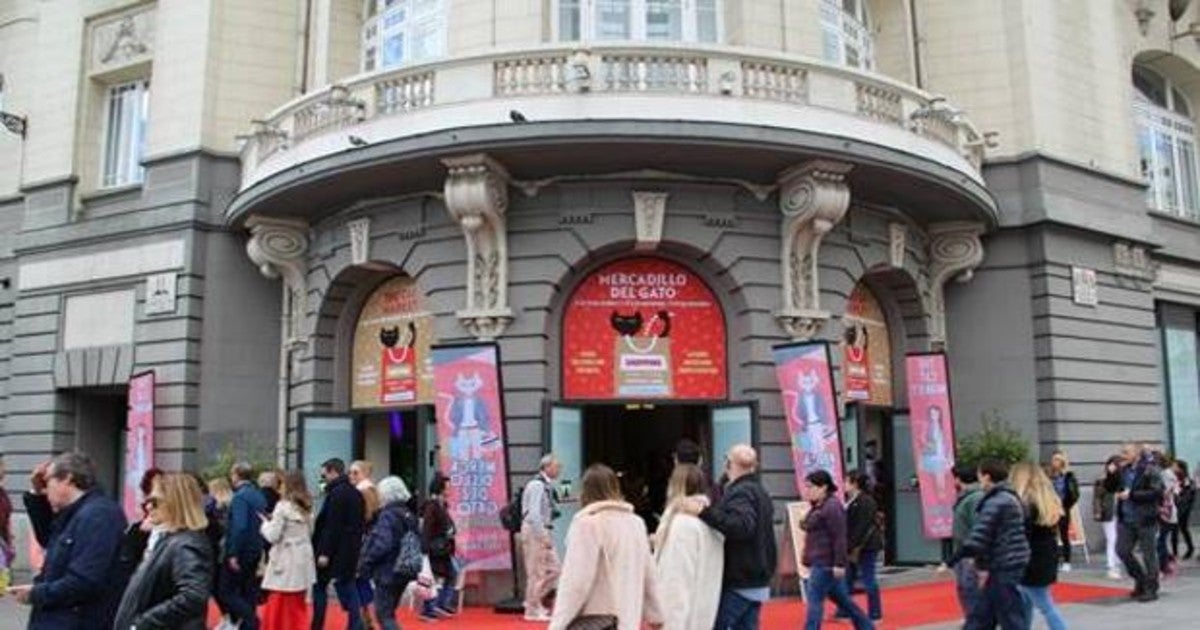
(806, 385)
(470, 428)
(932, 440)
(139, 442)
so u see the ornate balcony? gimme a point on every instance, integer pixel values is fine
(684, 96)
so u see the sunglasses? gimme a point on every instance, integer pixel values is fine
(151, 503)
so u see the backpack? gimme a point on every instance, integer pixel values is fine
(513, 513)
(409, 560)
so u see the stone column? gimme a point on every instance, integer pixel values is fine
(954, 252)
(813, 197)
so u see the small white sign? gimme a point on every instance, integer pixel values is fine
(1083, 285)
(160, 293)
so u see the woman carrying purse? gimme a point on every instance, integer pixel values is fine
(437, 536)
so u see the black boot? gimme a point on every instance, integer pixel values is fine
(1150, 593)
(1138, 589)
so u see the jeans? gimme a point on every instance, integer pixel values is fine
(366, 594)
(821, 584)
(966, 585)
(387, 598)
(1064, 536)
(1184, 528)
(1000, 604)
(864, 569)
(1165, 530)
(347, 594)
(1039, 597)
(1130, 535)
(1110, 545)
(445, 596)
(239, 593)
(737, 612)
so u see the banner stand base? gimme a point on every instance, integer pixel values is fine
(510, 606)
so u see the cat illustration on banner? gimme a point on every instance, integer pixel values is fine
(468, 416)
(817, 425)
(398, 365)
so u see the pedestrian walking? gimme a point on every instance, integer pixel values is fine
(1000, 551)
(360, 475)
(1043, 513)
(1104, 511)
(689, 556)
(538, 512)
(8, 548)
(80, 529)
(437, 537)
(170, 588)
(966, 578)
(1168, 515)
(1138, 502)
(825, 551)
(745, 516)
(270, 484)
(216, 510)
(608, 575)
(137, 534)
(243, 547)
(1184, 500)
(687, 451)
(1066, 486)
(863, 543)
(291, 564)
(337, 538)
(383, 545)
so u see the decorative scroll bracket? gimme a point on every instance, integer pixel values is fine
(476, 194)
(813, 197)
(278, 247)
(954, 252)
(649, 212)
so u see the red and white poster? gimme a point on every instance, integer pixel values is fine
(391, 348)
(643, 327)
(806, 385)
(932, 422)
(470, 428)
(139, 442)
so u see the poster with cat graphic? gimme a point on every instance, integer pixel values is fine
(643, 327)
(470, 431)
(806, 386)
(391, 348)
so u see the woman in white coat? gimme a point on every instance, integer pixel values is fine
(291, 568)
(690, 557)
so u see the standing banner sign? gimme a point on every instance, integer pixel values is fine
(470, 426)
(932, 440)
(139, 442)
(806, 383)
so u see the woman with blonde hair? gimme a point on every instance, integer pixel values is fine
(171, 586)
(1043, 511)
(608, 576)
(690, 556)
(291, 566)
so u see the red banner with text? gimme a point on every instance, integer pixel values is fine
(806, 384)
(139, 442)
(932, 423)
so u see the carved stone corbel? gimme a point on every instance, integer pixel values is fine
(649, 212)
(476, 193)
(954, 252)
(813, 197)
(278, 247)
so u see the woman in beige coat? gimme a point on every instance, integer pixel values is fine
(607, 571)
(690, 557)
(291, 567)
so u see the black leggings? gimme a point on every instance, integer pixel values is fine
(1064, 536)
(1184, 517)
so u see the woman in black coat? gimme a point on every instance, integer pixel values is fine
(1043, 512)
(437, 536)
(171, 586)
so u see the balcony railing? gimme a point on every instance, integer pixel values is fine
(685, 71)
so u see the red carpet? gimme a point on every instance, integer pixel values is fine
(903, 607)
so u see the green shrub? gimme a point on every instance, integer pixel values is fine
(995, 440)
(261, 459)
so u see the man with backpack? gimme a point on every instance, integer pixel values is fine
(537, 539)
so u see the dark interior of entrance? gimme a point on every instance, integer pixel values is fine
(100, 417)
(638, 442)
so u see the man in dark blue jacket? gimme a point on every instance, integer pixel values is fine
(337, 539)
(1137, 524)
(80, 529)
(243, 548)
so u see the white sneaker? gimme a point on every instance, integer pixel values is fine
(1114, 574)
(537, 614)
(1065, 567)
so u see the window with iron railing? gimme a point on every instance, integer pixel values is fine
(638, 20)
(846, 33)
(126, 108)
(1167, 145)
(402, 32)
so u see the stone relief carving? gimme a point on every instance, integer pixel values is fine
(360, 240)
(813, 197)
(122, 40)
(897, 242)
(954, 252)
(279, 247)
(1133, 261)
(649, 212)
(476, 194)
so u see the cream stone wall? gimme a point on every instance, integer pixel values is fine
(18, 38)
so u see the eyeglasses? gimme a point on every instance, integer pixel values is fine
(152, 502)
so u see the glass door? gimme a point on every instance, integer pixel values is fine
(566, 442)
(731, 424)
(912, 547)
(324, 436)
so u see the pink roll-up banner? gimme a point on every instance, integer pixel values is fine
(139, 442)
(470, 429)
(932, 422)
(806, 385)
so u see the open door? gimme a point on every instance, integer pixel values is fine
(566, 442)
(323, 436)
(912, 547)
(732, 424)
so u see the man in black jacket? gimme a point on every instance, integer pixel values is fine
(863, 542)
(1141, 491)
(745, 515)
(337, 538)
(1000, 551)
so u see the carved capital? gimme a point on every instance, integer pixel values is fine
(954, 252)
(813, 197)
(360, 240)
(476, 192)
(278, 247)
(649, 212)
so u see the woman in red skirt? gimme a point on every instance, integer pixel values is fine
(291, 568)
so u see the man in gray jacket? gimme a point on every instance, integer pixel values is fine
(537, 539)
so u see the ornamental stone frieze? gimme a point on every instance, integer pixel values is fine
(954, 252)
(813, 198)
(476, 194)
(278, 247)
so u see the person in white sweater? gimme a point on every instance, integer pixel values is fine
(689, 557)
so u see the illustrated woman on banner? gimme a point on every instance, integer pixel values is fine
(816, 423)
(469, 418)
(936, 459)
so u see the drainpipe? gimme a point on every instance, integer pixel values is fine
(915, 32)
(301, 80)
(285, 376)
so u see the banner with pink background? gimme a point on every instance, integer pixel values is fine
(139, 442)
(932, 440)
(470, 430)
(806, 385)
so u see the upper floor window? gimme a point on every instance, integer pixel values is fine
(1167, 144)
(638, 20)
(126, 107)
(402, 32)
(846, 33)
